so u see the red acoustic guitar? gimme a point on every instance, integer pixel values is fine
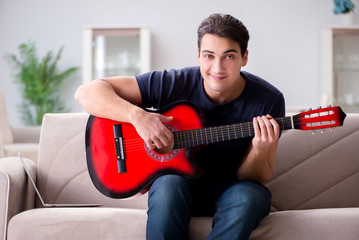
(121, 165)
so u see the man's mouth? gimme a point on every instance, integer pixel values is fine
(217, 77)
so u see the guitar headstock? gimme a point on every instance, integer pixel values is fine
(320, 118)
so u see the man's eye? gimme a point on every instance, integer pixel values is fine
(229, 57)
(208, 56)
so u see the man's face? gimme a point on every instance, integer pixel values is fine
(220, 61)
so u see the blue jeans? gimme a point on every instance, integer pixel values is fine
(238, 208)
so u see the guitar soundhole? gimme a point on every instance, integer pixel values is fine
(164, 154)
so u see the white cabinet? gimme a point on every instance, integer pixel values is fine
(341, 67)
(114, 51)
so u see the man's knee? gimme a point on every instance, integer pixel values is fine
(248, 196)
(169, 185)
(169, 192)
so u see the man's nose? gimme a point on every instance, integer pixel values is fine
(217, 66)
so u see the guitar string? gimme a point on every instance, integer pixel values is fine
(189, 139)
(188, 135)
(214, 130)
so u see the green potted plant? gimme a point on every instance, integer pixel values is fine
(39, 81)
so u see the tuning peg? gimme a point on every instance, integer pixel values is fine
(313, 132)
(322, 130)
(332, 129)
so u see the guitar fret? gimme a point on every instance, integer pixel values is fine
(197, 138)
(175, 139)
(204, 139)
(199, 132)
(185, 138)
(178, 134)
(222, 133)
(249, 131)
(191, 138)
(191, 135)
(282, 120)
(205, 132)
(229, 136)
(210, 132)
(182, 139)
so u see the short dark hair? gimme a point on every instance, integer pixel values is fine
(224, 25)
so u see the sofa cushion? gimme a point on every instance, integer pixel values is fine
(318, 224)
(28, 150)
(78, 223)
(90, 224)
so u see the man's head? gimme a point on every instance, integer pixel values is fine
(224, 25)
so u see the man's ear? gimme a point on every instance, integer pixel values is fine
(198, 55)
(245, 58)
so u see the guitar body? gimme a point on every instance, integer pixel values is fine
(143, 165)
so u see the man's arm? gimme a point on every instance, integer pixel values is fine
(117, 99)
(258, 164)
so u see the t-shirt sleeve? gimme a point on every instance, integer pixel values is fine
(278, 107)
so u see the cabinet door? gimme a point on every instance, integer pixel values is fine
(115, 52)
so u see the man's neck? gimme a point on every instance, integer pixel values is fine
(221, 98)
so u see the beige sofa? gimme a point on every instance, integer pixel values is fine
(315, 190)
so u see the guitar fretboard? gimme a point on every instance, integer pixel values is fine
(203, 136)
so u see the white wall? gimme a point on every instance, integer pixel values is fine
(284, 46)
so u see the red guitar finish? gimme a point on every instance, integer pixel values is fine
(121, 165)
(143, 165)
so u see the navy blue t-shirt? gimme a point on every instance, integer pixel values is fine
(219, 161)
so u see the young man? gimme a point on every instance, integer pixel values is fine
(230, 188)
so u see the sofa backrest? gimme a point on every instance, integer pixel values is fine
(311, 171)
(317, 171)
(62, 175)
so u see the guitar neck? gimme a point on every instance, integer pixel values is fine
(203, 136)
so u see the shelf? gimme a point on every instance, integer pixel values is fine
(340, 66)
(112, 51)
(352, 70)
(349, 108)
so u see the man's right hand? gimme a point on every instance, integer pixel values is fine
(151, 129)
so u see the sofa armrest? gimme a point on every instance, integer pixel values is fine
(26, 134)
(2, 152)
(16, 193)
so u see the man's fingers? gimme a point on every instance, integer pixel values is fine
(267, 129)
(256, 127)
(166, 119)
(263, 127)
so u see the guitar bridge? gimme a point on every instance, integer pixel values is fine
(121, 162)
